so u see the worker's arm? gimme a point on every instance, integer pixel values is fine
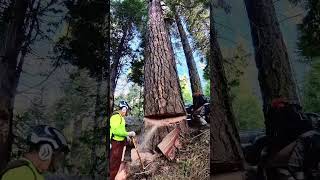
(117, 128)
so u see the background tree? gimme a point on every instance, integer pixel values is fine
(226, 154)
(85, 48)
(8, 54)
(186, 95)
(309, 29)
(21, 26)
(311, 100)
(127, 19)
(74, 113)
(246, 105)
(196, 88)
(274, 70)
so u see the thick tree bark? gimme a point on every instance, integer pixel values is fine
(116, 62)
(226, 154)
(8, 63)
(275, 74)
(96, 123)
(197, 93)
(162, 93)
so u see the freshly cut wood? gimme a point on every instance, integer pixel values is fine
(164, 122)
(123, 172)
(167, 146)
(156, 130)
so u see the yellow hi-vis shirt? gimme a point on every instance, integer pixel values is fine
(118, 127)
(25, 172)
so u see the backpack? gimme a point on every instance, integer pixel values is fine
(15, 164)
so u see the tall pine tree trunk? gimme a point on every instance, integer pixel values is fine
(275, 74)
(226, 154)
(197, 93)
(162, 93)
(8, 63)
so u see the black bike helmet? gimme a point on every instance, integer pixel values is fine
(45, 134)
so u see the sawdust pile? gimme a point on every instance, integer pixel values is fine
(192, 161)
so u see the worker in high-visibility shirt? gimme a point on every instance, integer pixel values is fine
(118, 137)
(48, 147)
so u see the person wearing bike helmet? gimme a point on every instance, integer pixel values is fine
(118, 137)
(48, 146)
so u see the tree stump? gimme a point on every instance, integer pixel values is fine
(163, 135)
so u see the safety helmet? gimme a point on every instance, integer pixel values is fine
(44, 134)
(123, 103)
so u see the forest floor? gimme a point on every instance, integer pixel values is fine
(191, 162)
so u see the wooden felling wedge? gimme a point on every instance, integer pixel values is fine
(167, 145)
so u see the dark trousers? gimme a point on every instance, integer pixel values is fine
(116, 155)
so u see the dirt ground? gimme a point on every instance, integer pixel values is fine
(192, 161)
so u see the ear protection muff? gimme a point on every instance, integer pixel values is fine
(124, 109)
(45, 152)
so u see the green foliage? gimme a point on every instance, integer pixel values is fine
(309, 40)
(309, 29)
(246, 106)
(128, 16)
(207, 89)
(235, 64)
(84, 43)
(129, 11)
(79, 99)
(248, 111)
(311, 99)
(186, 93)
(135, 100)
(74, 114)
(136, 73)
(35, 114)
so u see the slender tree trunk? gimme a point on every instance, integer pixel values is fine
(24, 49)
(197, 93)
(116, 63)
(8, 63)
(162, 93)
(274, 71)
(226, 153)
